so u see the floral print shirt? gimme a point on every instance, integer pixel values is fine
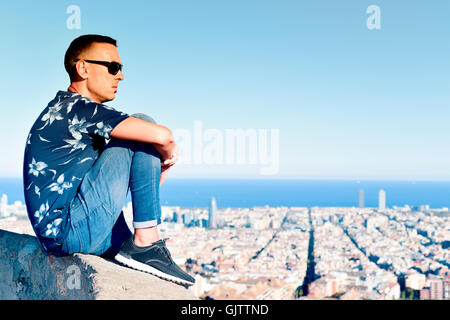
(62, 146)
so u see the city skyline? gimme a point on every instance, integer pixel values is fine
(348, 101)
(306, 253)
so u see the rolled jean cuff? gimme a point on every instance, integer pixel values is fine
(145, 224)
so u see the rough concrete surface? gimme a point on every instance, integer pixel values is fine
(26, 272)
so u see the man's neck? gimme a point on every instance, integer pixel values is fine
(74, 88)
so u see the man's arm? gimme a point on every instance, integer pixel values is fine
(140, 130)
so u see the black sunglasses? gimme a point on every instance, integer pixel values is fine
(113, 67)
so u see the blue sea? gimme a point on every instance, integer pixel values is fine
(196, 193)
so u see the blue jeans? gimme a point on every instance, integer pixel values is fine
(97, 225)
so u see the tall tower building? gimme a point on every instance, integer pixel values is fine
(436, 289)
(361, 198)
(382, 200)
(212, 217)
(4, 206)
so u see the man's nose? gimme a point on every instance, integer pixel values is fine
(120, 75)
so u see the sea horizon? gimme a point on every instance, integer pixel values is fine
(248, 193)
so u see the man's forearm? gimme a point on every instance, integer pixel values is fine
(140, 130)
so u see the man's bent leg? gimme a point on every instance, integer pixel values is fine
(145, 193)
(97, 219)
(146, 252)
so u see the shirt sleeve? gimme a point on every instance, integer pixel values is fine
(103, 119)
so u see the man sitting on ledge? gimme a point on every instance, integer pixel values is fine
(82, 156)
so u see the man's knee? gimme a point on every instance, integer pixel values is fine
(144, 117)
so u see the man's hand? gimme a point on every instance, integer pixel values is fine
(173, 159)
(166, 164)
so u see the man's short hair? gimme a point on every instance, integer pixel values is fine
(79, 45)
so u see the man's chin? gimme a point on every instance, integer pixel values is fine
(109, 98)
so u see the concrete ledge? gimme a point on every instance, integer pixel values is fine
(26, 272)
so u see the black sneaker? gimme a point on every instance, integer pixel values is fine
(154, 259)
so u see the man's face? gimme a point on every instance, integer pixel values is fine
(101, 85)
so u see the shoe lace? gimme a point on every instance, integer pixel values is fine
(165, 250)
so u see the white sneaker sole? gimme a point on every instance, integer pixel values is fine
(146, 268)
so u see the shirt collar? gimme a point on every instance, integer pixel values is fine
(68, 94)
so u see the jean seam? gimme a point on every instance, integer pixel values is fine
(155, 195)
(108, 210)
(79, 238)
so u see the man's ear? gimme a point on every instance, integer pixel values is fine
(82, 69)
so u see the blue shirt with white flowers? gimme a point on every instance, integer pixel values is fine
(62, 146)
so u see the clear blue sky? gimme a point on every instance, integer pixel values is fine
(349, 102)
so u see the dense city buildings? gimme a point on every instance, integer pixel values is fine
(14, 211)
(304, 253)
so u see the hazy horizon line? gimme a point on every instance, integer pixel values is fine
(291, 179)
